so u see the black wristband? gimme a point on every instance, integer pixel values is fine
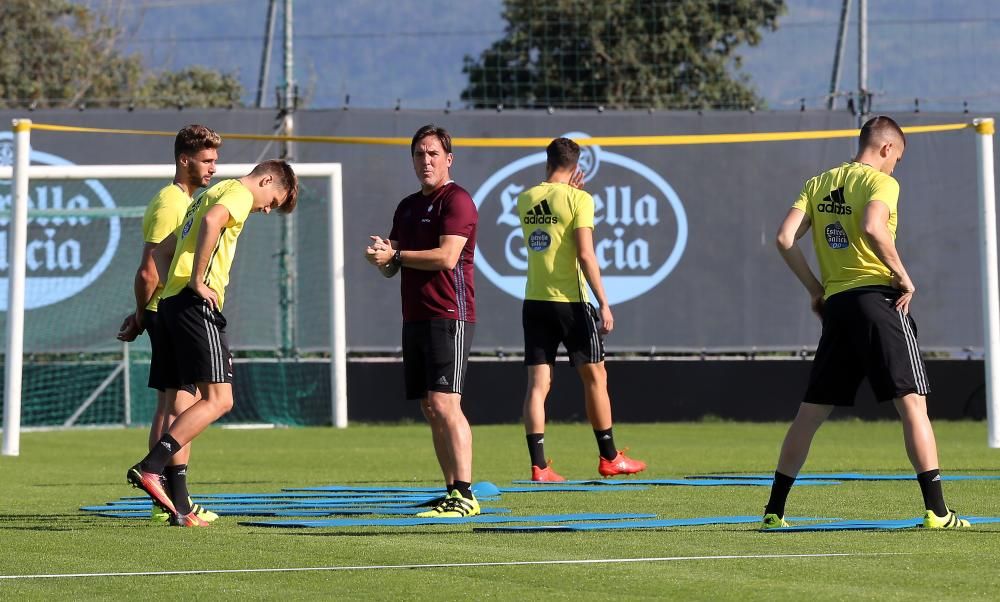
(396, 259)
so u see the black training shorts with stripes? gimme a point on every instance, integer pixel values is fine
(157, 377)
(574, 324)
(435, 356)
(195, 346)
(865, 335)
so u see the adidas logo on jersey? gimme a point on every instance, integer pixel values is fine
(540, 214)
(835, 203)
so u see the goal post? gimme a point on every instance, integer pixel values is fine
(988, 266)
(17, 241)
(22, 172)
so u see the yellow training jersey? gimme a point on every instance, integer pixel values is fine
(549, 214)
(835, 203)
(238, 199)
(163, 215)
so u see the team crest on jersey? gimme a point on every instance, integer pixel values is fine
(63, 255)
(187, 227)
(640, 227)
(539, 240)
(836, 236)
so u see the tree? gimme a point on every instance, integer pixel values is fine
(192, 87)
(669, 54)
(56, 53)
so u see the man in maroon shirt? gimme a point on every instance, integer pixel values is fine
(431, 245)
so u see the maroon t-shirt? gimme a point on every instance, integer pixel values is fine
(419, 222)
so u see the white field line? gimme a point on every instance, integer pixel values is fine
(445, 565)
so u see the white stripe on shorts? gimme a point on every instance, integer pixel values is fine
(214, 344)
(456, 378)
(916, 365)
(595, 337)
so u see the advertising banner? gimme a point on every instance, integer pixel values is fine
(684, 234)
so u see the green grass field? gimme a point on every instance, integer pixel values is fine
(42, 532)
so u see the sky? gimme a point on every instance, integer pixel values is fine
(384, 52)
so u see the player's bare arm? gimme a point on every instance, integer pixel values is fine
(876, 227)
(143, 287)
(212, 225)
(592, 272)
(163, 255)
(443, 257)
(794, 227)
(160, 255)
(147, 279)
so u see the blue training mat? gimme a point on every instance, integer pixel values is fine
(326, 503)
(876, 525)
(688, 482)
(480, 489)
(261, 501)
(416, 522)
(562, 487)
(302, 495)
(235, 508)
(843, 476)
(252, 501)
(636, 524)
(333, 500)
(286, 512)
(212, 504)
(367, 489)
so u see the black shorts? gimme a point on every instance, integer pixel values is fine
(150, 320)
(864, 335)
(548, 323)
(194, 348)
(435, 356)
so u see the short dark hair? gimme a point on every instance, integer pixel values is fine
(431, 130)
(285, 178)
(562, 153)
(878, 129)
(194, 138)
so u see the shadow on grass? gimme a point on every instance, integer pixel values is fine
(202, 484)
(48, 522)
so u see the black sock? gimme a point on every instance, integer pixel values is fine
(779, 493)
(606, 444)
(157, 458)
(536, 447)
(177, 486)
(464, 489)
(930, 488)
(450, 487)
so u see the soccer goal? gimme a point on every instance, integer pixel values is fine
(71, 243)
